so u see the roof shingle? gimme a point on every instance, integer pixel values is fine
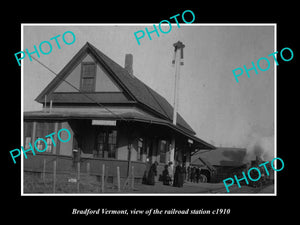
(144, 95)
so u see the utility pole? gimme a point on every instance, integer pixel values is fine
(178, 61)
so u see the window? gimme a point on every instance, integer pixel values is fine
(106, 144)
(40, 144)
(112, 144)
(42, 130)
(163, 150)
(27, 141)
(27, 133)
(49, 144)
(88, 76)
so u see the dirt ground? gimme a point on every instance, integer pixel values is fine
(194, 188)
(90, 185)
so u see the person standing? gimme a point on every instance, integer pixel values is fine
(165, 176)
(188, 177)
(184, 172)
(193, 171)
(146, 172)
(178, 176)
(171, 173)
(175, 181)
(152, 173)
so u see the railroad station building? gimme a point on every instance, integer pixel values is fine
(113, 118)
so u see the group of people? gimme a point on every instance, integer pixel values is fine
(175, 179)
(168, 177)
(193, 174)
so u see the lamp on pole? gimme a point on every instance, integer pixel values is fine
(177, 61)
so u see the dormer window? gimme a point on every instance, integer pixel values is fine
(88, 76)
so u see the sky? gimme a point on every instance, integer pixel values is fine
(220, 110)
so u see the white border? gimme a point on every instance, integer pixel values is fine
(151, 24)
(22, 110)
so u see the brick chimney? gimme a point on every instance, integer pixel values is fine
(128, 63)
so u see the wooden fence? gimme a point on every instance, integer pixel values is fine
(59, 173)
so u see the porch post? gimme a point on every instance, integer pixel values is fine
(145, 149)
(188, 154)
(129, 158)
(172, 151)
(55, 148)
(188, 157)
(33, 134)
(154, 149)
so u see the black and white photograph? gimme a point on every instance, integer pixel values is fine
(142, 112)
(106, 112)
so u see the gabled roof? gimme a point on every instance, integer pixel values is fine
(136, 89)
